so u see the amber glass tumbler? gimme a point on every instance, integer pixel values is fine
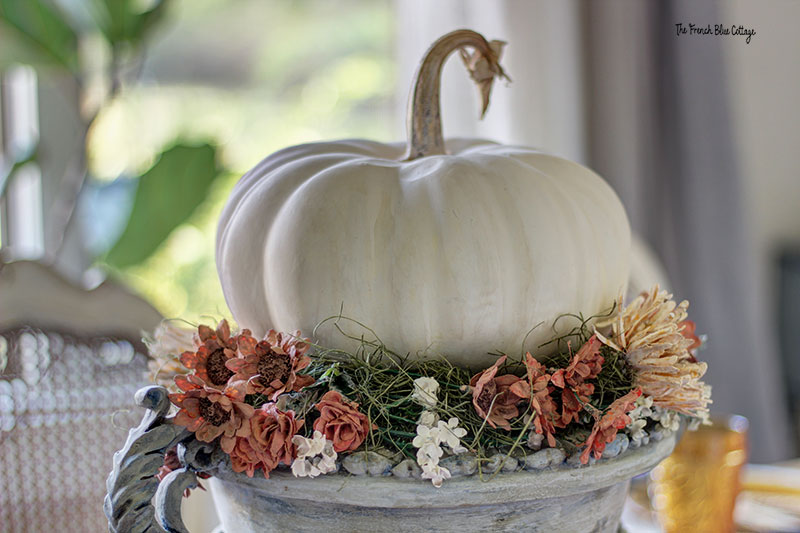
(695, 488)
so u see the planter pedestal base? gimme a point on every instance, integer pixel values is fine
(563, 499)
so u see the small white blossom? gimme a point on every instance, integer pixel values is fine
(425, 391)
(643, 408)
(669, 420)
(637, 433)
(309, 447)
(427, 440)
(450, 434)
(315, 456)
(435, 473)
(428, 418)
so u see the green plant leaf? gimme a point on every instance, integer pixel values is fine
(167, 195)
(124, 21)
(34, 32)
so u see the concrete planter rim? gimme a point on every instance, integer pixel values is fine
(391, 492)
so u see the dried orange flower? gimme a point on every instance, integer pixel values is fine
(576, 392)
(208, 360)
(493, 397)
(270, 367)
(536, 389)
(605, 429)
(266, 441)
(340, 421)
(210, 413)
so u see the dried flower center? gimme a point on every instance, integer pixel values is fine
(486, 396)
(213, 413)
(274, 366)
(218, 373)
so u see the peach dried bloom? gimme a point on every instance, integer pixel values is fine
(493, 397)
(267, 441)
(244, 457)
(208, 360)
(341, 422)
(605, 429)
(210, 413)
(270, 367)
(536, 389)
(652, 332)
(585, 364)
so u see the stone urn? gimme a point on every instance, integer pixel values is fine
(557, 498)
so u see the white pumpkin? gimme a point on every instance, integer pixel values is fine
(457, 249)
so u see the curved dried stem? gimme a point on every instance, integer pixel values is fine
(424, 114)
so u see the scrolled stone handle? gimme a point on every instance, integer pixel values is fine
(132, 483)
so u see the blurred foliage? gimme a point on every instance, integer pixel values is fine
(238, 78)
(127, 21)
(34, 32)
(252, 77)
(166, 196)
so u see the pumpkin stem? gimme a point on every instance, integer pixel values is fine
(424, 115)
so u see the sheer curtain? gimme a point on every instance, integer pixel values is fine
(610, 85)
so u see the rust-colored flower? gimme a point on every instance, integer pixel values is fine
(537, 390)
(270, 367)
(210, 413)
(341, 422)
(266, 442)
(688, 329)
(244, 457)
(208, 361)
(605, 429)
(585, 364)
(493, 396)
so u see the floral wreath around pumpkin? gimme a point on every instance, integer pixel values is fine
(281, 400)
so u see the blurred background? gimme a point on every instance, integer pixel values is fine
(125, 123)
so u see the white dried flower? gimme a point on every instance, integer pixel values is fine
(428, 418)
(669, 420)
(643, 408)
(170, 340)
(425, 392)
(450, 435)
(309, 447)
(315, 456)
(637, 433)
(435, 473)
(427, 440)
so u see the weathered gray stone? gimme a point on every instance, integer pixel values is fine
(407, 468)
(499, 460)
(616, 446)
(544, 458)
(575, 459)
(367, 464)
(463, 464)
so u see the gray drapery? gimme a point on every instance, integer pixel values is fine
(611, 85)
